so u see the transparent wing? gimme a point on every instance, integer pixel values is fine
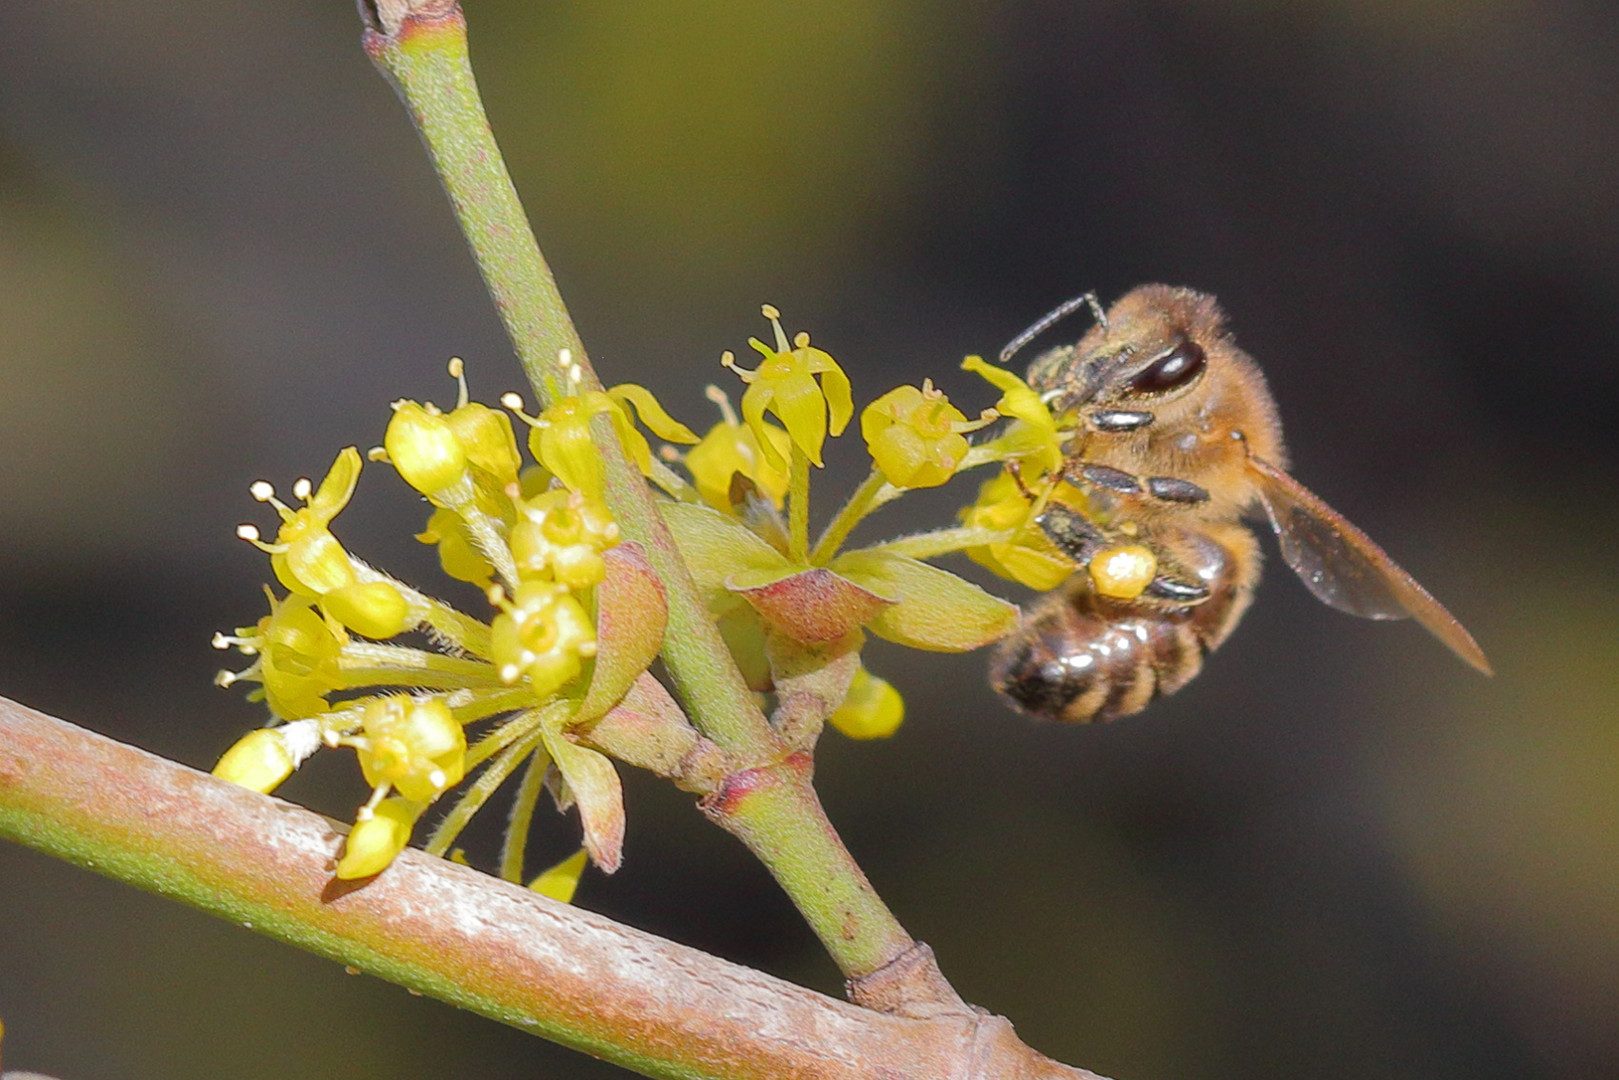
(1345, 569)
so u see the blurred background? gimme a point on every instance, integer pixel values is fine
(1338, 853)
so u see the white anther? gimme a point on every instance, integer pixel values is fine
(261, 490)
(512, 401)
(302, 488)
(250, 533)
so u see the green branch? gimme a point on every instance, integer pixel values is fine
(425, 56)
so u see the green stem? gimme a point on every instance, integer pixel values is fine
(798, 486)
(515, 845)
(472, 800)
(930, 545)
(858, 506)
(426, 59)
(776, 813)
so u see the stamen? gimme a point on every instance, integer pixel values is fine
(458, 373)
(377, 453)
(302, 488)
(723, 400)
(774, 316)
(728, 360)
(514, 402)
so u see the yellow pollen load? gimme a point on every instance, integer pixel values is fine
(1123, 573)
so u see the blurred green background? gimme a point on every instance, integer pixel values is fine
(1338, 853)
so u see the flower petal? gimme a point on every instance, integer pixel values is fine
(652, 413)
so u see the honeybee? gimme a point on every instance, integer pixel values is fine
(1175, 438)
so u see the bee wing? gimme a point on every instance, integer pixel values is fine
(1345, 568)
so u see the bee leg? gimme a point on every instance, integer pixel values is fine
(1173, 489)
(1162, 488)
(1075, 535)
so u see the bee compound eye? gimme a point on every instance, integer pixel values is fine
(1171, 371)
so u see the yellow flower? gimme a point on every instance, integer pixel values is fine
(559, 438)
(561, 535)
(425, 449)
(785, 385)
(872, 709)
(297, 657)
(485, 434)
(457, 554)
(730, 449)
(377, 838)
(916, 437)
(306, 557)
(414, 746)
(543, 634)
(1033, 439)
(1030, 557)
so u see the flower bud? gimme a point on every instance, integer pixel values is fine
(259, 761)
(486, 437)
(872, 709)
(375, 609)
(375, 841)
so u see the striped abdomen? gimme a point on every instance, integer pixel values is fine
(1077, 656)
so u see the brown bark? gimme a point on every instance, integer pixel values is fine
(460, 935)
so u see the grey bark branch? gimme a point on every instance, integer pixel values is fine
(460, 935)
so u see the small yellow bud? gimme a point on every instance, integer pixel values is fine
(424, 448)
(259, 761)
(375, 609)
(561, 881)
(1123, 573)
(872, 709)
(375, 841)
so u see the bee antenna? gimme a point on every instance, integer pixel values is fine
(1052, 318)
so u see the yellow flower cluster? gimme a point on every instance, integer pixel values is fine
(536, 539)
(576, 618)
